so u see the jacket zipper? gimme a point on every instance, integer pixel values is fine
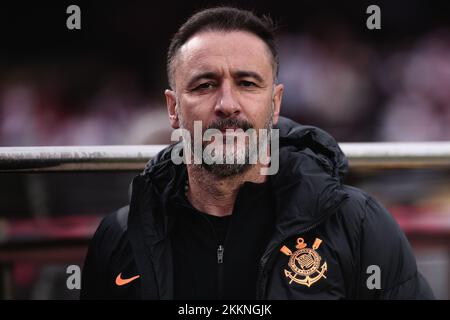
(220, 252)
(270, 252)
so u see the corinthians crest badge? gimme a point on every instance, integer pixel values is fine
(304, 263)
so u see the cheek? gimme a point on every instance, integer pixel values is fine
(198, 107)
(194, 109)
(259, 110)
(198, 103)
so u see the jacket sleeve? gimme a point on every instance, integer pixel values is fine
(385, 252)
(92, 280)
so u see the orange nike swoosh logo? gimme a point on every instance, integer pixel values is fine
(122, 282)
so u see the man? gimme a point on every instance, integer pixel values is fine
(226, 231)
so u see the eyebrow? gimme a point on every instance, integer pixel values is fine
(237, 74)
(249, 74)
(203, 75)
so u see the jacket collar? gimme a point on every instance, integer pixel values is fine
(308, 184)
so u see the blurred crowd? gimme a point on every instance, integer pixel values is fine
(395, 93)
(398, 92)
(32, 113)
(355, 90)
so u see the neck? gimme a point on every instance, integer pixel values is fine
(216, 196)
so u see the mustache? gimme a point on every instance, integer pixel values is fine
(223, 124)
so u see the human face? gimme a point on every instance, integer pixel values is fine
(221, 76)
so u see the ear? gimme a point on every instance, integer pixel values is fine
(171, 103)
(277, 97)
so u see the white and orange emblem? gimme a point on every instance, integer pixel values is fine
(305, 263)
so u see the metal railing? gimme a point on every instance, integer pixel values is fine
(122, 158)
(113, 158)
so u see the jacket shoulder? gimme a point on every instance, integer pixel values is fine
(98, 266)
(112, 228)
(364, 210)
(362, 214)
(116, 221)
(355, 208)
(382, 244)
(361, 206)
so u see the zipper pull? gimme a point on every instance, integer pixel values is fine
(220, 254)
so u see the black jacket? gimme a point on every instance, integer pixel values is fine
(331, 240)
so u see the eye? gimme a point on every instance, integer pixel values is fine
(245, 83)
(204, 86)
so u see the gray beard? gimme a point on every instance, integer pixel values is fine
(224, 170)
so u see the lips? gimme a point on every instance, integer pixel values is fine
(224, 130)
(231, 124)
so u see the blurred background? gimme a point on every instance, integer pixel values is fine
(104, 84)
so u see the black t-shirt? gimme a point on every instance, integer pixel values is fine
(218, 257)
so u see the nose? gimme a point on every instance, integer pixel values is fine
(227, 103)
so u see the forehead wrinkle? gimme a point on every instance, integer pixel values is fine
(202, 55)
(196, 66)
